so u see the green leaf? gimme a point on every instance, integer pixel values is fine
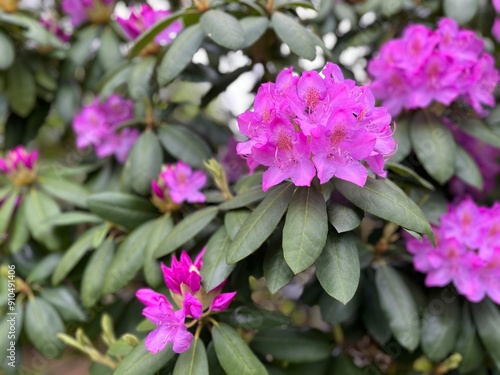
(213, 363)
(193, 361)
(152, 272)
(338, 268)
(20, 234)
(247, 197)
(291, 345)
(145, 162)
(223, 28)
(79, 51)
(461, 11)
(74, 254)
(306, 229)
(119, 348)
(468, 344)
(5, 324)
(109, 53)
(180, 53)
(128, 259)
(478, 129)
(402, 138)
(20, 89)
(8, 52)
(342, 215)
(399, 306)
(335, 312)
(467, 169)
(253, 29)
(261, 223)
(140, 77)
(343, 364)
(186, 229)
(487, 320)
(249, 317)
(410, 174)
(44, 268)
(276, 271)
(215, 270)
(126, 210)
(434, 145)
(296, 36)
(75, 217)
(66, 190)
(42, 324)
(184, 145)
(6, 211)
(95, 272)
(233, 353)
(141, 361)
(384, 199)
(64, 302)
(233, 221)
(440, 328)
(372, 314)
(39, 208)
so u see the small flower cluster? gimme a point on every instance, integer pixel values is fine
(442, 65)
(81, 11)
(19, 165)
(177, 184)
(315, 124)
(467, 252)
(184, 281)
(142, 18)
(96, 125)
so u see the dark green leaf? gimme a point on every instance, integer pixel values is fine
(138, 83)
(20, 89)
(180, 53)
(440, 328)
(261, 223)
(141, 361)
(119, 348)
(233, 220)
(373, 316)
(245, 198)
(402, 137)
(64, 302)
(126, 210)
(468, 344)
(296, 36)
(44, 268)
(487, 320)
(343, 216)
(39, 208)
(152, 271)
(249, 317)
(233, 353)
(343, 364)
(185, 145)
(276, 271)
(335, 312)
(338, 268)
(215, 270)
(384, 199)
(478, 129)
(79, 51)
(95, 272)
(75, 217)
(20, 234)
(434, 145)
(399, 306)
(66, 190)
(6, 211)
(193, 361)
(109, 52)
(253, 29)
(410, 174)
(7, 48)
(145, 162)
(43, 323)
(223, 28)
(291, 345)
(467, 169)
(306, 229)
(186, 229)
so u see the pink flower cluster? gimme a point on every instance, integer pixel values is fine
(96, 125)
(442, 65)
(184, 281)
(179, 183)
(315, 124)
(18, 160)
(142, 18)
(81, 11)
(467, 252)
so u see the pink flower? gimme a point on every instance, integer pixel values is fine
(81, 11)
(495, 30)
(17, 160)
(496, 5)
(179, 183)
(467, 252)
(424, 66)
(315, 125)
(142, 18)
(96, 125)
(183, 272)
(52, 25)
(222, 301)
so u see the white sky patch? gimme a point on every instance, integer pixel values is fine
(284, 49)
(306, 13)
(330, 39)
(201, 57)
(233, 61)
(345, 26)
(367, 19)
(317, 63)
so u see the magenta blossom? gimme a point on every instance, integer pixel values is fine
(19, 165)
(81, 11)
(96, 125)
(183, 279)
(443, 65)
(467, 252)
(315, 125)
(142, 18)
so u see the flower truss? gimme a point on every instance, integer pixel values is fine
(467, 252)
(191, 301)
(96, 125)
(19, 166)
(315, 125)
(442, 65)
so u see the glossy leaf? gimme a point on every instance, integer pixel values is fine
(244, 199)
(140, 77)
(66, 190)
(193, 361)
(468, 344)
(141, 361)
(152, 270)
(294, 35)
(487, 320)
(342, 215)
(253, 28)
(276, 271)
(215, 269)
(44, 268)
(20, 234)
(75, 217)
(467, 169)
(249, 317)
(478, 129)
(233, 221)
(109, 53)
(6, 211)
(64, 302)
(7, 48)
(184, 145)
(20, 89)
(223, 28)
(39, 208)
(145, 162)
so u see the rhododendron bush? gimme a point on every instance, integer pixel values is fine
(250, 187)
